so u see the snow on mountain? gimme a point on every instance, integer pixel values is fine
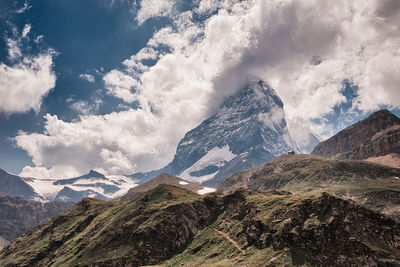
(93, 184)
(215, 158)
(248, 130)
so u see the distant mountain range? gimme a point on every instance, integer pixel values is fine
(248, 130)
(93, 184)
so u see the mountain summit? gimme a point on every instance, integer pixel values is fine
(248, 130)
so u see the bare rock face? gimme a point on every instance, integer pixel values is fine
(375, 136)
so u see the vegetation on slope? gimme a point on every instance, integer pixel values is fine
(375, 186)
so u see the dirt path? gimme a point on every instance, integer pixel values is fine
(227, 237)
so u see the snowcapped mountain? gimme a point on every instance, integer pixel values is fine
(93, 184)
(248, 130)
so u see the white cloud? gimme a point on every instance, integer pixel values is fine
(25, 82)
(304, 49)
(154, 8)
(88, 77)
(26, 30)
(35, 172)
(14, 51)
(113, 143)
(121, 85)
(23, 85)
(23, 9)
(86, 107)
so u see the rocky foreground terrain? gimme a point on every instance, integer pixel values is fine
(172, 226)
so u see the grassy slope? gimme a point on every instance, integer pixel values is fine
(99, 231)
(173, 227)
(373, 185)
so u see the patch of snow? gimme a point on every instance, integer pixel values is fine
(188, 142)
(205, 190)
(215, 157)
(45, 187)
(183, 183)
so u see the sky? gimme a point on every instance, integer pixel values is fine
(113, 85)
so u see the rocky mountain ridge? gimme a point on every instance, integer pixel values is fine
(376, 136)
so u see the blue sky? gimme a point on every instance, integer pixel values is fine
(88, 36)
(110, 57)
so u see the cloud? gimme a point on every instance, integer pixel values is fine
(105, 143)
(88, 77)
(85, 107)
(27, 80)
(154, 8)
(26, 30)
(121, 85)
(23, 86)
(24, 8)
(304, 49)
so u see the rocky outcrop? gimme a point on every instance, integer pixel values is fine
(375, 136)
(311, 228)
(18, 215)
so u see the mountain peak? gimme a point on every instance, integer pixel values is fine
(248, 130)
(382, 116)
(255, 94)
(93, 174)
